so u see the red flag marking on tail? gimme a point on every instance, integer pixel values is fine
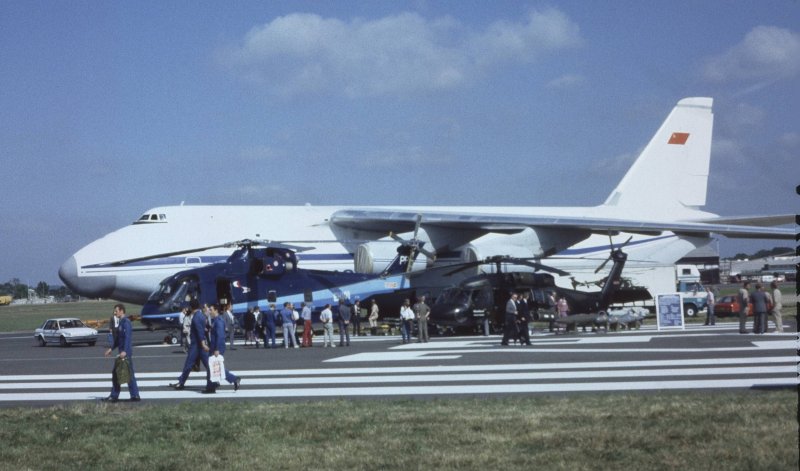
(679, 138)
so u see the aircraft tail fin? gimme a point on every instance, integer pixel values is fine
(670, 176)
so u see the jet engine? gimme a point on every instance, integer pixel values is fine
(374, 257)
(527, 243)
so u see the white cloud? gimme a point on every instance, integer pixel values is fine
(790, 140)
(729, 154)
(258, 191)
(567, 81)
(395, 54)
(743, 118)
(766, 54)
(618, 164)
(413, 156)
(258, 154)
(540, 33)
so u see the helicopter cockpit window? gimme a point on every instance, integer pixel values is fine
(482, 297)
(542, 298)
(453, 296)
(172, 296)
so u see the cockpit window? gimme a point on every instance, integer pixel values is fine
(173, 295)
(453, 295)
(151, 218)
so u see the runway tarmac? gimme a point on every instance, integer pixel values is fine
(699, 357)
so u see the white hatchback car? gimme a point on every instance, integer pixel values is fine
(65, 331)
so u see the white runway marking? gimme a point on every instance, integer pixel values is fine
(411, 380)
(763, 361)
(441, 368)
(403, 353)
(449, 378)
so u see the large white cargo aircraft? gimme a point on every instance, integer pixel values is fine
(657, 205)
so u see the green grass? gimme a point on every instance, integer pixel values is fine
(27, 317)
(686, 430)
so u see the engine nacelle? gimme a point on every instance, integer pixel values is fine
(374, 257)
(525, 244)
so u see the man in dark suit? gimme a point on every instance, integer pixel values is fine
(510, 328)
(218, 348)
(523, 318)
(123, 342)
(198, 347)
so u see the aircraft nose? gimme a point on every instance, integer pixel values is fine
(88, 286)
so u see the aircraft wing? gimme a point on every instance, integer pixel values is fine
(402, 221)
(774, 220)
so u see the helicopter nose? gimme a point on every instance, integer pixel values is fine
(88, 286)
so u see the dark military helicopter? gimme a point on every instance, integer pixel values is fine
(479, 302)
(259, 273)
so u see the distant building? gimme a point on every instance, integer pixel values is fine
(706, 259)
(765, 269)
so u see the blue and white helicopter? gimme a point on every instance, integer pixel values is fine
(260, 273)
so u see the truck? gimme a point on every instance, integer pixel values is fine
(693, 292)
(694, 297)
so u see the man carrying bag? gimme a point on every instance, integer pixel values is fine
(123, 365)
(216, 362)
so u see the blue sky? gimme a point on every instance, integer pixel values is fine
(110, 108)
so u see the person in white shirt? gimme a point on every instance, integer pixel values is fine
(230, 325)
(406, 320)
(326, 317)
(373, 318)
(777, 304)
(710, 300)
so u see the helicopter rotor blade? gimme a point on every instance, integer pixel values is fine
(611, 255)
(540, 266)
(414, 244)
(272, 244)
(498, 260)
(238, 243)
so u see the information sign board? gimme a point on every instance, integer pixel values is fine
(669, 311)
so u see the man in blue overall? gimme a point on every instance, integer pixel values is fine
(197, 348)
(218, 348)
(268, 324)
(122, 342)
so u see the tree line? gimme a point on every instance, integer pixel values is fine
(19, 290)
(764, 253)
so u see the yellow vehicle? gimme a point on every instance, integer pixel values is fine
(6, 300)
